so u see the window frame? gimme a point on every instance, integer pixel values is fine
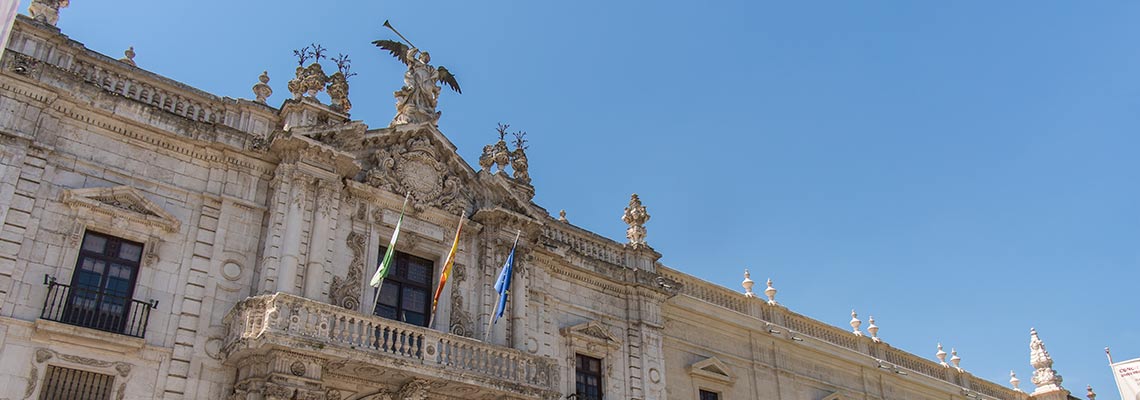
(99, 386)
(398, 280)
(72, 313)
(701, 392)
(599, 375)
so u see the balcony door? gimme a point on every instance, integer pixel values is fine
(103, 282)
(405, 294)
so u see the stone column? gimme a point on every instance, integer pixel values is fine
(318, 246)
(291, 240)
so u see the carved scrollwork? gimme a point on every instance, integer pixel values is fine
(345, 292)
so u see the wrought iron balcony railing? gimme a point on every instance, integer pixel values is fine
(96, 309)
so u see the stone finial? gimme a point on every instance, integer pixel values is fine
(261, 89)
(941, 355)
(1091, 394)
(519, 161)
(1013, 381)
(562, 216)
(855, 324)
(873, 329)
(748, 283)
(47, 11)
(1044, 376)
(635, 216)
(954, 359)
(770, 292)
(129, 57)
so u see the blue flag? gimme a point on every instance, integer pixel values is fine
(503, 284)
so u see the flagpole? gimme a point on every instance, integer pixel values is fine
(392, 246)
(1109, 354)
(491, 318)
(459, 228)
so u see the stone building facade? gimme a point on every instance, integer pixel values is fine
(158, 241)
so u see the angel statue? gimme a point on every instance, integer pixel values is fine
(416, 101)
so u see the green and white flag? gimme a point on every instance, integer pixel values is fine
(386, 264)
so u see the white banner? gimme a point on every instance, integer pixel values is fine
(7, 17)
(1127, 375)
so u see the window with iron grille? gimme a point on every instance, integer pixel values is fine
(101, 290)
(72, 384)
(588, 371)
(707, 395)
(406, 293)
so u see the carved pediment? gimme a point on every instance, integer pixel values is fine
(422, 163)
(121, 202)
(592, 331)
(712, 368)
(834, 396)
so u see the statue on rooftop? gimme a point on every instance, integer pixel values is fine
(47, 11)
(416, 101)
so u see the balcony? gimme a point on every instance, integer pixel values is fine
(96, 309)
(350, 341)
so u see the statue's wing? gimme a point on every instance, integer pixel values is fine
(398, 50)
(446, 77)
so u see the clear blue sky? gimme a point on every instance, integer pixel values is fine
(962, 171)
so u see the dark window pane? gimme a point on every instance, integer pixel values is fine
(390, 294)
(588, 377)
(707, 395)
(94, 243)
(130, 251)
(406, 289)
(419, 273)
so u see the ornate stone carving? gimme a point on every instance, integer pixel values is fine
(346, 292)
(487, 159)
(635, 216)
(261, 89)
(338, 84)
(1044, 376)
(129, 57)
(461, 322)
(416, 389)
(747, 283)
(47, 11)
(770, 293)
(855, 324)
(415, 167)
(23, 64)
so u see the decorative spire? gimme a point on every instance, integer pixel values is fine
(635, 216)
(47, 11)
(562, 216)
(748, 283)
(771, 293)
(1044, 376)
(873, 329)
(954, 359)
(261, 89)
(941, 355)
(855, 323)
(1091, 394)
(1013, 381)
(129, 57)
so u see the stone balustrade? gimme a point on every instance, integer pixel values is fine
(801, 325)
(35, 42)
(288, 316)
(585, 243)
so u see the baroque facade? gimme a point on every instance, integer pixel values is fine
(161, 242)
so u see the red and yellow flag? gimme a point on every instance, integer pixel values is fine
(447, 267)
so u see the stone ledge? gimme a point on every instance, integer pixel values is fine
(87, 337)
